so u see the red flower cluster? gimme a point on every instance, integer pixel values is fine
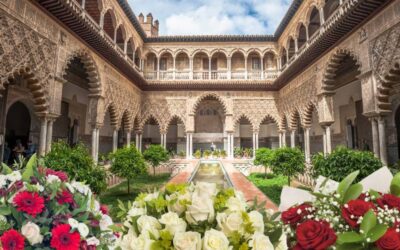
(389, 200)
(355, 209)
(29, 202)
(60, 174)
(104, 209)
(315, 235)
(65, 197)
(390, 241)
(63, 239)
(294, 215)
(12, 240)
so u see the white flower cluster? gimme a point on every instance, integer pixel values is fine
(6, 181)
(190, 213)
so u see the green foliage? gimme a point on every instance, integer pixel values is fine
(248, 152)
(238, 152)
(155, 155)
(264, 157)
(271, 185)
(182, 154)
(223, 154)
(206, 153)
(127, 163)
(197, 154)
(288, 162)
(343, 161)
(395, 185)
(78, 164)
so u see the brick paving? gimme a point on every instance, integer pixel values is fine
(185, 174)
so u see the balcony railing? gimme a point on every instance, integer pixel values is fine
(271, 74)
(254, 75)
(201, 75)
(166, 75)
(182, 75)
(151, 75)
(238, 75)
(219, 75)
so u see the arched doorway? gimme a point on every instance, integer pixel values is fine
(18, 129)
(209, 125)
(243, 138)
(151, 133)
(268, 135)
(176, 142)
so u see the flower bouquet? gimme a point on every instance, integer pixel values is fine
(195, 217)
(41, 209)
(349, 217)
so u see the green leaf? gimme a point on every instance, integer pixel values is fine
(368, 222)
(350, 237)
(346, 183)
(353, 192)
(350, 246)
(28, 172)
(377, 232)
(5, 169)
(4, 210)
(395, 185)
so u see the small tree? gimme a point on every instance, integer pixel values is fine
(155, 155)
(264, 158)
(288, 162)
(128, 163)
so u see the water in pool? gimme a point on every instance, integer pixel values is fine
(211, 172)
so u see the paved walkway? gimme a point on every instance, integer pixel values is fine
(239, 181)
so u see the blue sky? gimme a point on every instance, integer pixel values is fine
(213, 17)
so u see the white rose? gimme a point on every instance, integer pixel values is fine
(73, 223)
(52, 178)
(173, 223)
(135, 211)
(14, 176)
(236, 204)
(230, 222)
(81, 188)
(70, 188)
(148, 224)
(215, 240)
(3, 218)
(282, 245)
(201, 209)
(175, 201)
(105, 222)
(205, 189)
(187, 241)
(142, 243)
(83, 230)
(3, 181)
(93, 241)
(151, 196)
(257, 221)
(31, 231)
(127, 242)
(39, 187)
(260, 242)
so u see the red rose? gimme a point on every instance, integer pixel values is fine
(12, 240)
(30, 203)
(389, 241)
(355, 209)
(63, 239)
(60, 174)
(295, 214)
(314, 235)
(104, 209)
(390, 200)
(65, 197)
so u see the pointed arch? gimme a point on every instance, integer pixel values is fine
(126, 121)
(308, 112)
(147, 118)
(391, 78)
(334, 63)
(243, 117)
(172, 118)
(295, 120)
(207, 95)
(112, 110)
(90, 67)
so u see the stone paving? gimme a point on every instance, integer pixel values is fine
(239, 181)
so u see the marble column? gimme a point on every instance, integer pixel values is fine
(328, 139)
(191, 145)
(229, 76)
(95, 143)
(115, 140)
(284, 139)
(293, 138)
(307, 148)
(128, 139)
(137, 140)
(382, 140)
(158, 68)
(229, 146)
(49, 135)
(280, 139)
(232, 145)
(324, 140)
(140, 142)
(43, 137)
(375, 137)
(187, 146)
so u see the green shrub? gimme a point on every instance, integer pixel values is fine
(182, 154)
(238, 152)
(197, 154)
(288, 162)
(206, 153)
(223, 154)
(78, 163)
(248, 152)
(128, 163)
(343, 161)
(155, 154)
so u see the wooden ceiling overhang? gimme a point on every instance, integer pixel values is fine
(343, 22)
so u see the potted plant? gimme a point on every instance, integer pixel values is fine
(207, 154)
(197, 154)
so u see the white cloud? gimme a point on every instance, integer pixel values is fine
(202, 17)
